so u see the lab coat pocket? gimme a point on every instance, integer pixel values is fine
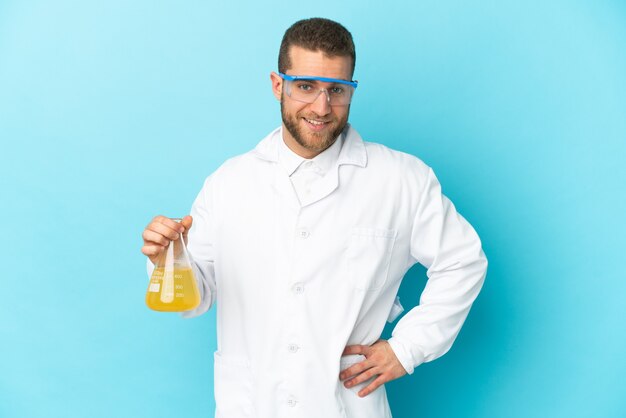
(233, 387)
(369, 255)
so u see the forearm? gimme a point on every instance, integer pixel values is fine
(428, 331)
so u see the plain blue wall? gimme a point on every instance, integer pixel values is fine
(113, 112)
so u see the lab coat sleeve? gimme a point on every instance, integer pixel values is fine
(447, 245)
(200, 246)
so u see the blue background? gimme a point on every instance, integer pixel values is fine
(113, 112)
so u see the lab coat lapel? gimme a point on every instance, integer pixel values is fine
(267, 150)
(323, 187)
(352, 152)
(284, 189)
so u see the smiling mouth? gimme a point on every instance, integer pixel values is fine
(316, 122)
(316, 125)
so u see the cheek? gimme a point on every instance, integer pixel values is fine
(295, 110)
(340, 113)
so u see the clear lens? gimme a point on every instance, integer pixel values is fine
(307, 91)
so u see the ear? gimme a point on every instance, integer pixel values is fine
(277, 85)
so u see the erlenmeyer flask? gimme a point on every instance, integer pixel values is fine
(173, 287)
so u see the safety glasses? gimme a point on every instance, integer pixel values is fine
(306, 89)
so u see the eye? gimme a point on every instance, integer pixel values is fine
(337, 90)
(304, 87)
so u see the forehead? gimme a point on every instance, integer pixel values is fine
(316, 63)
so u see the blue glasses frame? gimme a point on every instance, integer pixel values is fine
(352, 83)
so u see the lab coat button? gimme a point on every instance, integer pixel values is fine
(298, 288)
(303, 233)
(293, 348)
(291, 402)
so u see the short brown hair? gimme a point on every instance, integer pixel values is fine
(316, 34)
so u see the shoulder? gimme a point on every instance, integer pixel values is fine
(246, 168)
(396, 162)
(266, 151)
(376, 157)
(233, 171)
(236, 164)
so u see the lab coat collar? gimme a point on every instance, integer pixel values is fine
(352, 152)
(323, 162)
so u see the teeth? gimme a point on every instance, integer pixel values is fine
(314, 122)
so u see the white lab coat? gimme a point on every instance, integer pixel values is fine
(294, 284)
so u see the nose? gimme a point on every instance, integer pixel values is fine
(321, 105)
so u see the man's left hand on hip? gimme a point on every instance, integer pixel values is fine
(380, 360)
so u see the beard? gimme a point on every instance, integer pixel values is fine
(312, 141)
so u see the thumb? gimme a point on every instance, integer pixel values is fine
(186, 222)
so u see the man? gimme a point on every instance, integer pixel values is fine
(303, 243)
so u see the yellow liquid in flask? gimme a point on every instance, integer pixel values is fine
(172, 290)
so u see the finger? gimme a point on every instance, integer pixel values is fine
(164, 230)
(366, 375)
(170, 223)
(354, 349)
(152, 250)
(186, 223)
(355, 369)
(372, 386)
(151, 237)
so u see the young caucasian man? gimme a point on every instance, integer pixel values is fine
(302, 244)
